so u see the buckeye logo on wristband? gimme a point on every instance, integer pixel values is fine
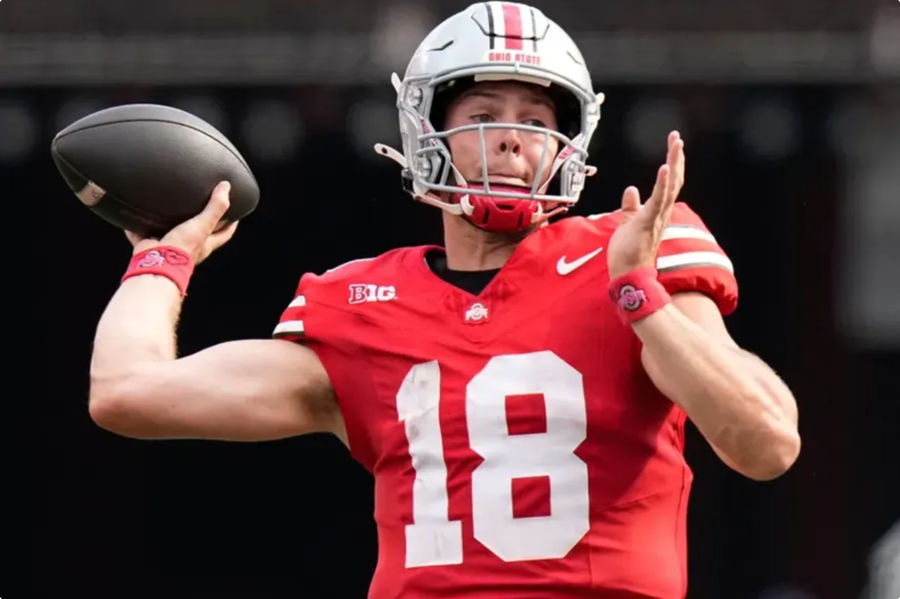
(631, 298)
(168, 261)
(637, 294)
(155, 257)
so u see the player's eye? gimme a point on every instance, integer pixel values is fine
(482, 118)
(535, 123)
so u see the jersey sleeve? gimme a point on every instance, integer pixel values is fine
(290, 325)
(313, 314)
(315, 318)
(690, 259)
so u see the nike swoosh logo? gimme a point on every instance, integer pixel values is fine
(564, 268)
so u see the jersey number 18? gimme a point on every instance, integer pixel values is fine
(433, 539)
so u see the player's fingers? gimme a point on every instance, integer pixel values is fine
(675, 166)
(217, 206)
(682, 165)
(221, 237)
(674, 135)
(631, 199)
(216, 240)
(675, 160)
(133, 237)
(655, 204)
(676, 178)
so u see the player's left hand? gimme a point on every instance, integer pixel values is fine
(636, 240)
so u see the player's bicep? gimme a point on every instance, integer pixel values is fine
(249, 390)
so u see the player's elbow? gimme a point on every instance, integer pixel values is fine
(108, 412)
(780, 455)
(112, 401)
(106, 405)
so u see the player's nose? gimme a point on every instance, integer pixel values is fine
(507, 141)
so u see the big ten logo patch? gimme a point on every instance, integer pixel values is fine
(360, 293)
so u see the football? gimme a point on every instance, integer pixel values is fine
(148, 167)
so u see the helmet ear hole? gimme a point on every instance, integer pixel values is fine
(438, 166)
(406, 181)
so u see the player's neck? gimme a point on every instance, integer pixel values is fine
(470, 248)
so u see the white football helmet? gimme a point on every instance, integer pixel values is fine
(494, 41)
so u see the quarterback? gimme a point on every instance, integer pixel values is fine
(520, 392)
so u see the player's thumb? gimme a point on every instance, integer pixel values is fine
(631, 199)
(217, 206)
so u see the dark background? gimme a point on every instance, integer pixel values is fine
(791, 115)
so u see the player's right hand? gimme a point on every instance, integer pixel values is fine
(199, 236)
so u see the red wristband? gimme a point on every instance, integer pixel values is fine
(166, 260)
(637, 294)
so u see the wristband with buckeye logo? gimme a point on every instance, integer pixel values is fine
(637, 294)
(166, 260)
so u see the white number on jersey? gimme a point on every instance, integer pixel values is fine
(433, 539)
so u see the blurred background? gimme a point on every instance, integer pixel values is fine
(791, 115)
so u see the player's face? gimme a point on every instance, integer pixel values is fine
(513, 156)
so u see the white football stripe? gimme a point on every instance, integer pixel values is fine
(298, 302)
(289, 327)
(91, 194)
(686, 232)
(688, 259)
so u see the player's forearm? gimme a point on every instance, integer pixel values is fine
(737, 402)
(138, 326)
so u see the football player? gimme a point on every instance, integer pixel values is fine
(520, 392)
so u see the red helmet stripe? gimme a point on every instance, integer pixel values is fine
(512, 24)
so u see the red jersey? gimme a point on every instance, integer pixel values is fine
(517, 445)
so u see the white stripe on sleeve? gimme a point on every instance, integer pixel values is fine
(689, 259)
(298, 302)
(289, 327)
(686, 232)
